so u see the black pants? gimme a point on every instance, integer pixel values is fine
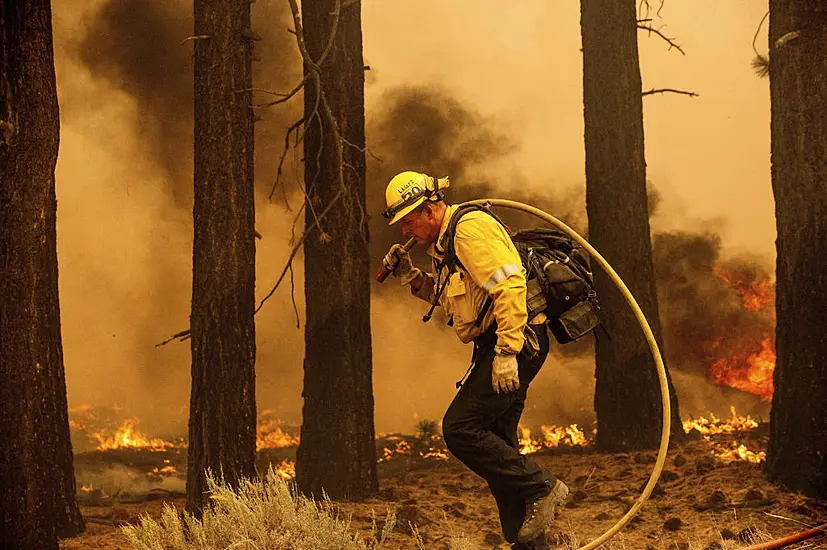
(480, 429)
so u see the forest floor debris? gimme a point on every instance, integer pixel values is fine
(705, 500)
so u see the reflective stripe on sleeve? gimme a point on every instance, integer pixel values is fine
(499, 275)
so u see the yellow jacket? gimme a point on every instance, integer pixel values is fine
(492, 268)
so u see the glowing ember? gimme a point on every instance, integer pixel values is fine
(436, 454)
(127, 437)
(550, 437)
(402, 447)
(749, 372)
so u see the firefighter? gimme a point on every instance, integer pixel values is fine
(480, 425)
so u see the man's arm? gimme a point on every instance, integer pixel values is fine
(486, 251)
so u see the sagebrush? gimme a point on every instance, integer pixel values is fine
(262, 514)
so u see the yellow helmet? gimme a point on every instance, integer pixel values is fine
(407, 190)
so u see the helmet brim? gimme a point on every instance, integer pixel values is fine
(405, 211)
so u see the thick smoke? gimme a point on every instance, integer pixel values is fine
(704, 317)
(699, 307)
(126, 97)
(125, 77)
(141, 48)
(136, 46)
(428, 130)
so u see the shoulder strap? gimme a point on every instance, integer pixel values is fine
(450, 259)
(447, 240)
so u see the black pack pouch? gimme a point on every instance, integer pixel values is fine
(574, 323)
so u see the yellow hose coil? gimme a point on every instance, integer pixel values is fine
(653, 346)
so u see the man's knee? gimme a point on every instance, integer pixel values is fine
(457, 436)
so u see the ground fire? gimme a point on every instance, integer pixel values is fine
(736, 425)
(746, 364)
(159, 459)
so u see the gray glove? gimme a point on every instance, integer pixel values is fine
(504, 374)
(398, 260)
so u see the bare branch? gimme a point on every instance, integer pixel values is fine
(297, 246)
(755, 37)
(293, 296)
(284, 151)
(285, 97)
(262, 90)
(645, 7)
(183, 335)
(669, 90)
(670, 41)
(313, 71)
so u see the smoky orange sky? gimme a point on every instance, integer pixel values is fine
(125, 234)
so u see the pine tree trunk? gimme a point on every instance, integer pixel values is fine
(627, 395)
(38, 499)
(222, 426)
(337, 452)
(797, 452)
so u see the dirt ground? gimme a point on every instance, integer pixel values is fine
(702, 502)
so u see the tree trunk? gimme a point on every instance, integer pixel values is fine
(37, 501)
(336, 453)
(627, 396)
(797, 452)
(222, 426)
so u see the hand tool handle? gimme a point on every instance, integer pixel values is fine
(384, 272)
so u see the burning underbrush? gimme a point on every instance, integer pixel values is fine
(709, 495)
(118, 462)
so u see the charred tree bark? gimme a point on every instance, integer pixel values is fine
(37, 500)
(627, 395)
(336, 453)
(222, 425)
(797, 452)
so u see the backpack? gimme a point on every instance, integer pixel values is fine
(558, 279)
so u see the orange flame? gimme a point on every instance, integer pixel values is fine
(127, 437)
(270, 435)
(756, 296)
(746, 369)
(716, 426)
(739, 452)
(749, 372)
(550, 437)
(286, 470)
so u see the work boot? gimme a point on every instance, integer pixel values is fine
(539, 543)
(540, 513)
